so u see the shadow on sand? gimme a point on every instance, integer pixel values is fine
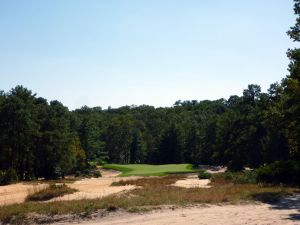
(279, 202)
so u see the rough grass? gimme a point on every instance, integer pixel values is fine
(153, 191)
(52, 191)
(150, 170)
(151, 181)
(156, 191)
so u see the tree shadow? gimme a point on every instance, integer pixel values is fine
(281, 201)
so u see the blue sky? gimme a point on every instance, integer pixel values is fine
(122, 52)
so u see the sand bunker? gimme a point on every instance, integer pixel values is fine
(95, 188)
(192, 182)
(109, 173)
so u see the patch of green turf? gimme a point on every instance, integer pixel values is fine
(150, 170)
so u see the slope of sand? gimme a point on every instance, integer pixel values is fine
(258, 214)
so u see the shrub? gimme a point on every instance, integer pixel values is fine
(77, 174)
(101, 162)
(2, 177)
(57, 173)
(97, 174)
(244, 177)
(8, 177)
(235, 165)
(249, 177)
(53, 191)
(202, 174)
(286, 172)
(88, 173)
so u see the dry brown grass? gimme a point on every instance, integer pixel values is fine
(157, 191)
(52, 191)
(153, 191)
(151, 181)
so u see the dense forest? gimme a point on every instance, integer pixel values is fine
(45, 139)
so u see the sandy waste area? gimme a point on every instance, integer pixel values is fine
(87, 188)
(286, 212)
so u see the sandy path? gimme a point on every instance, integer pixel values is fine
(259, 214)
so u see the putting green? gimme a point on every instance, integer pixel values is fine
(150, 170)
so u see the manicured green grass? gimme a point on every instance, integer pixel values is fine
(150, 170)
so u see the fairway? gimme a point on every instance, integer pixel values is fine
(150, 170)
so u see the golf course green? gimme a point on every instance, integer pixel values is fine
(150, 170)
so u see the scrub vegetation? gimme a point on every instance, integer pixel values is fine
(52, 191)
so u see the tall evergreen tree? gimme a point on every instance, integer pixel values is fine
(292, 90)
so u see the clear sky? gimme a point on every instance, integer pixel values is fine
(124, 52)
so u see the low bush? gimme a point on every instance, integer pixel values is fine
(203, 174)
(244, 177)
(88, 173)
(235, 165)
(97, 174)
(53, 191)
(77, 174)
(285, 172)
(8, 177)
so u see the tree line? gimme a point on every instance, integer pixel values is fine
(44, 139)
(37, 138)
